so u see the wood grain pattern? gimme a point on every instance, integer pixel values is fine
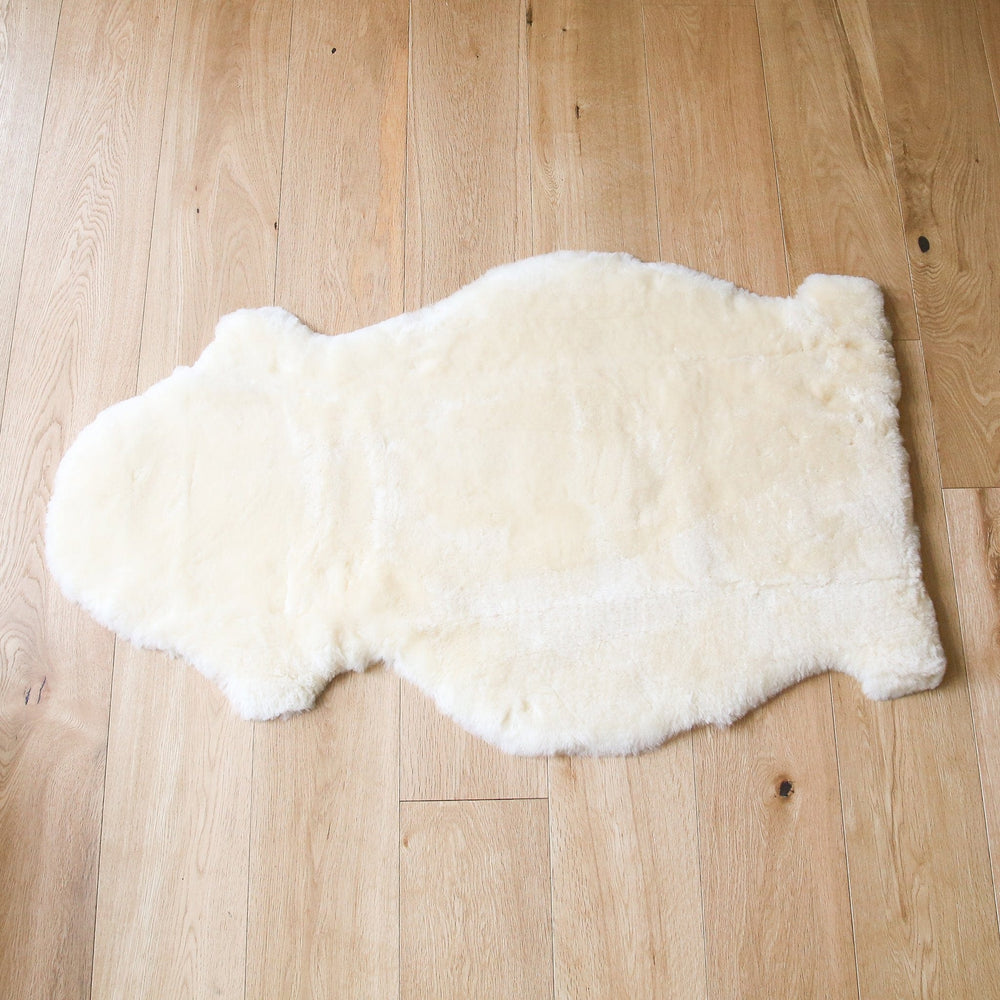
(323, 892)
(946, 143)
(27, 42)
(172, 903)
(772, 846)
(839, 204)
(172, 900)
(924, 914)
(474, 900)
(591, 172)
(773, 879)
(215, 228)
(627, 917)
(705, 86)
(466, 178)
(974, 533)
(74, 350)
(324, 877)
(340, 233)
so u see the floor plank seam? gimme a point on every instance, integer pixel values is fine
(649, 116)
(100, 826)
(284, 140)
(156, 188)
(899, 199)
(843, 830)
(480, 798)
(552, 906)
(246, 922)
(991, 69)
(697, 844)
(774, 152)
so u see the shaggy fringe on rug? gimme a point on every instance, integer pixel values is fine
(584, 503)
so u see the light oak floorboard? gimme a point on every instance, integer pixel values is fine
(27, 42)
(467, 179)
(839, 204)
(946, 145)
(474, 900)
(921, 887)
(591, 171)
(324, 879)
(705, 87)
(323, 891)
(74, 350)
(773, 877)
(974, 532)
(772, 847)
(340, 231)
(466, 165)
(627, 918)
(172, 902)
(172, 899)
(215, 228)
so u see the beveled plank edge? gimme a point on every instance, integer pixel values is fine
(843, 832)
(652, 146)
(250, 814)
(406, 304)
(698, 847)
(281, 162)
(902, 229)
(152, 226)
(479, 798)
(774, 167)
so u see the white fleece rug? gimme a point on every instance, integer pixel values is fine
(584, 503)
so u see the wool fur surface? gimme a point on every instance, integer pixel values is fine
(584, 503)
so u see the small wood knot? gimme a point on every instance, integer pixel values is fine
(924, 244)
(785, 789)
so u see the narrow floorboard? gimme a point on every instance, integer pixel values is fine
(474, 900)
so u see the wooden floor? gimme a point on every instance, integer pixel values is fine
(164, 161)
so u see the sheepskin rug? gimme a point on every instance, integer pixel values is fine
(584, 503)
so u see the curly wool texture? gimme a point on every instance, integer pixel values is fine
(584, 503)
